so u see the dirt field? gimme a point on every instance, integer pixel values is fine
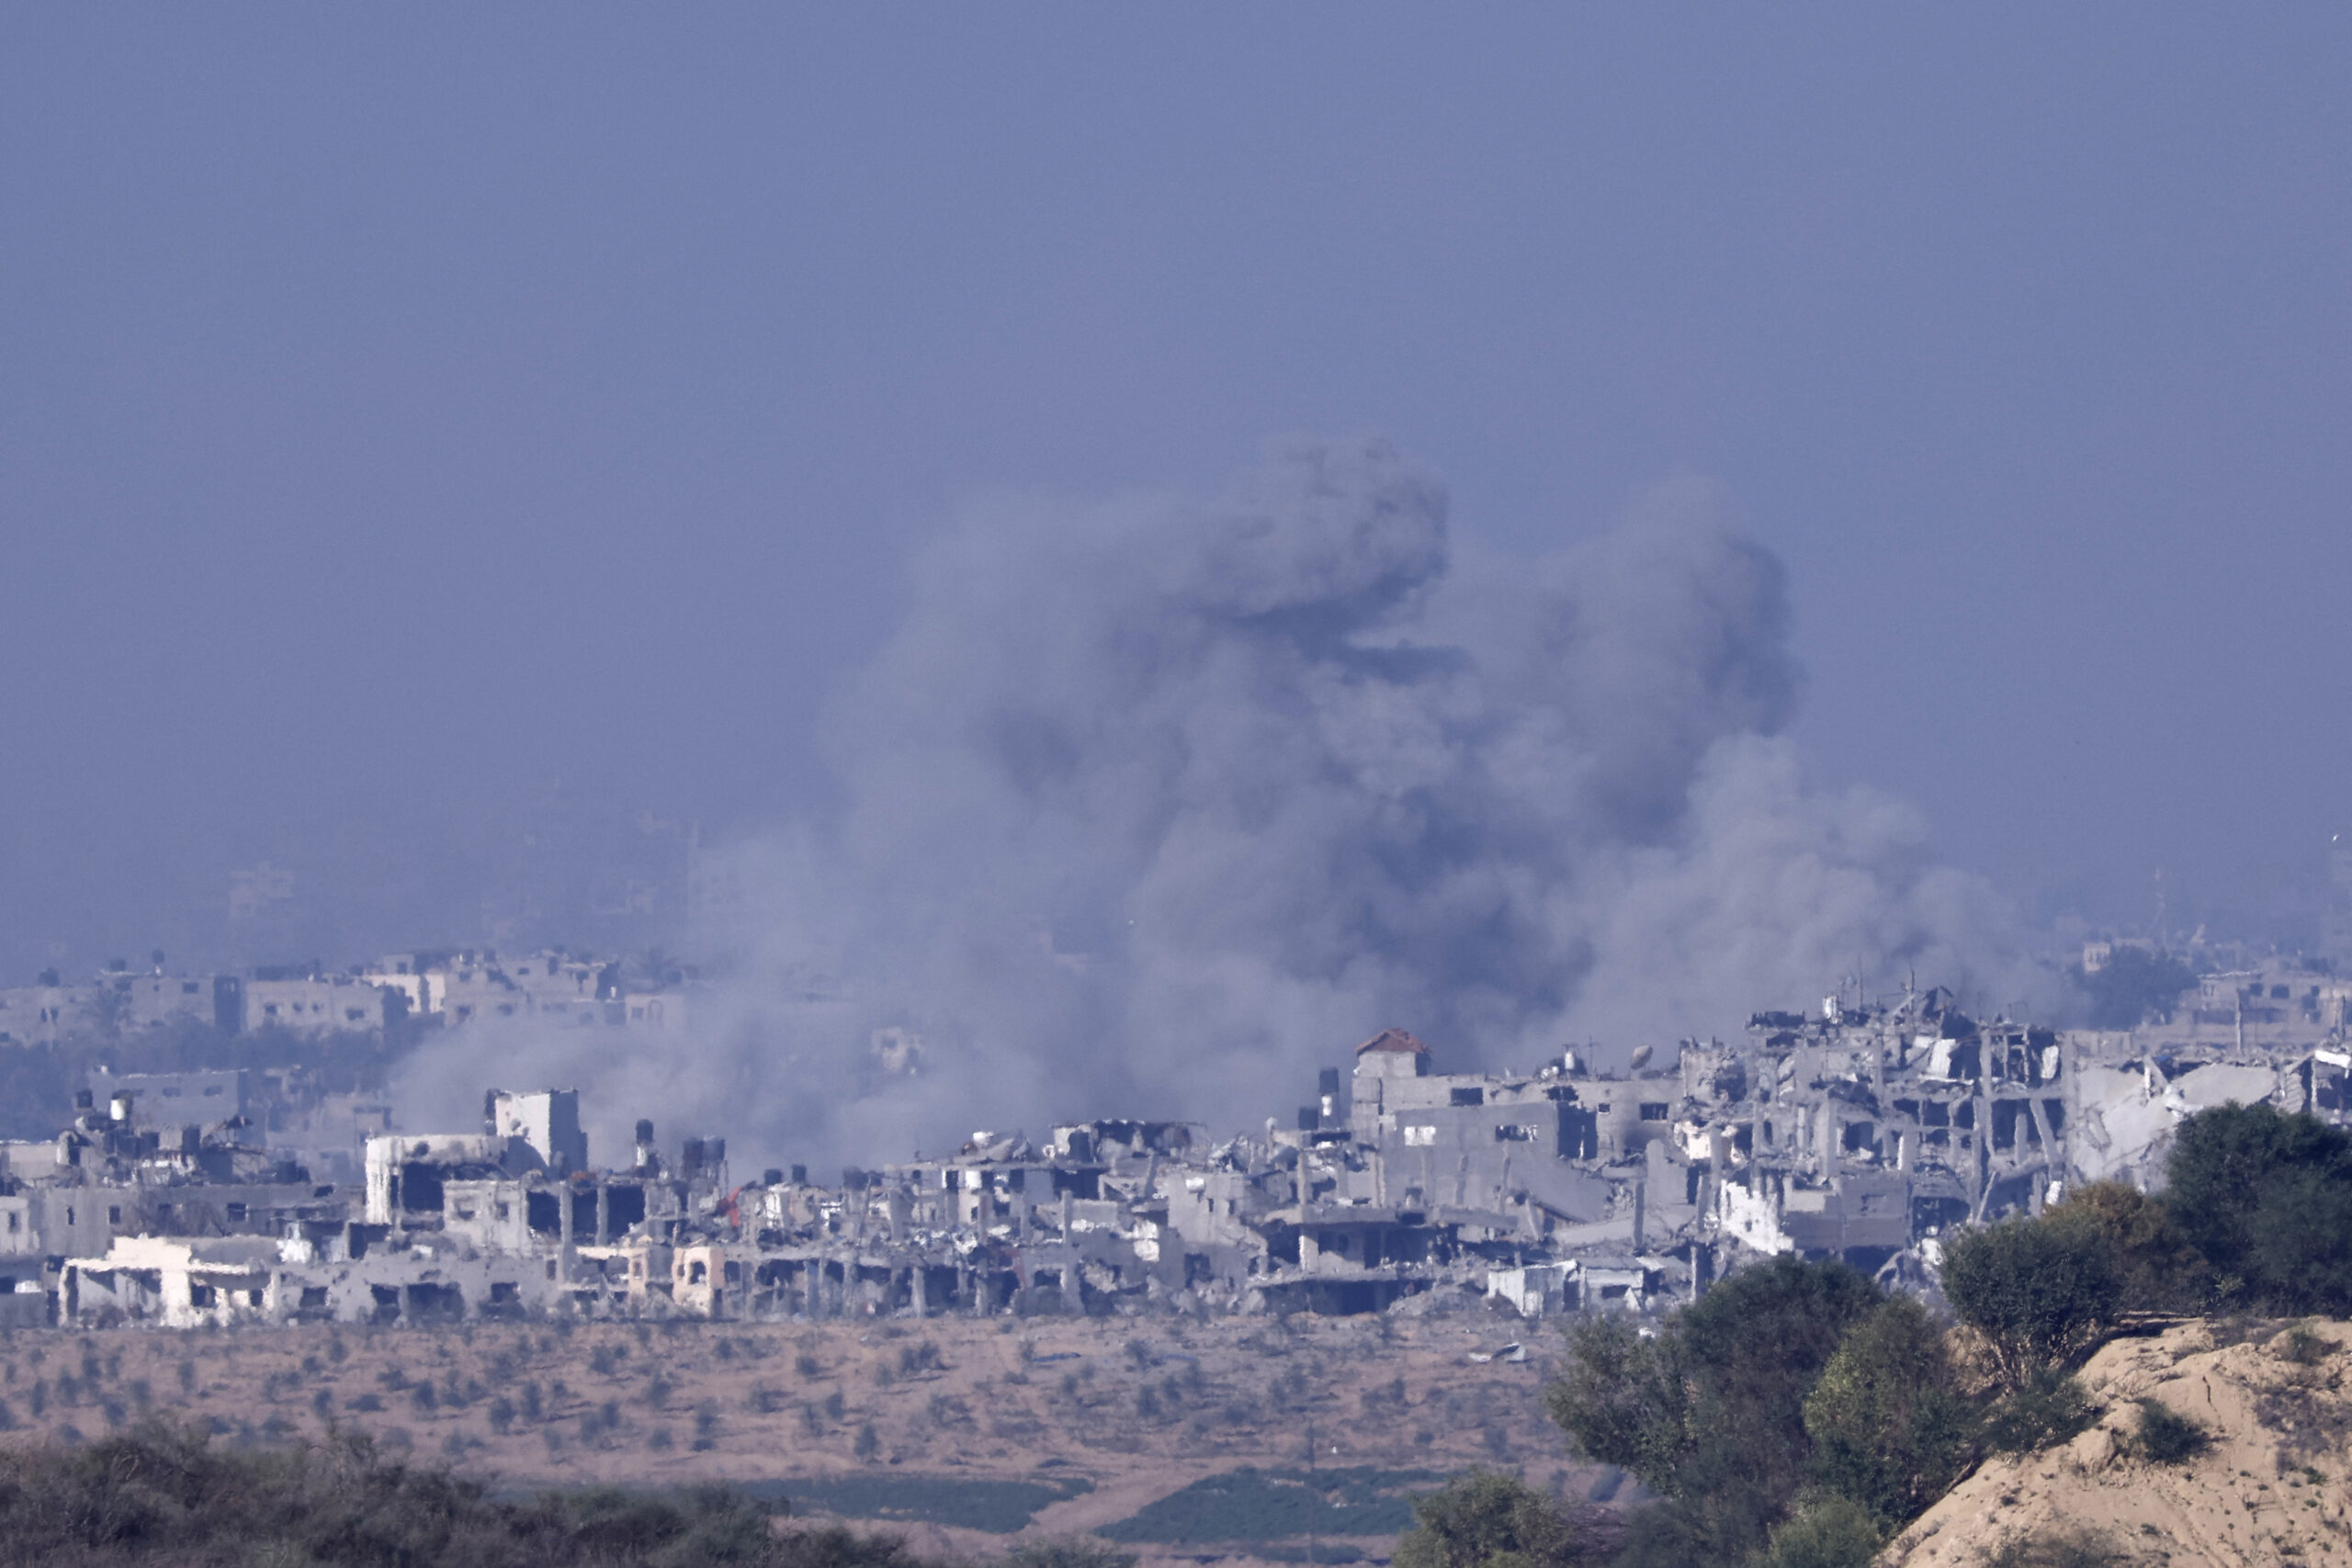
(2266, 1485)
(1114, 1412)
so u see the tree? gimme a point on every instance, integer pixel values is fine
(1712, 1411)
(2266, 1197)
(2157, 1268)
(1624, 1399)
(2133, 984)
(2041, 1293)
(1755, 1343)
(1889, 1429)
(1488, 1518)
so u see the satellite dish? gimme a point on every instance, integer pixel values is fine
(1641, 1057)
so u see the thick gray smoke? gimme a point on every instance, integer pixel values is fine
(1154, 806)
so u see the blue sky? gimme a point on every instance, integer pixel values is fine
(403, 410)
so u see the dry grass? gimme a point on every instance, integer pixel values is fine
(1139, 1408)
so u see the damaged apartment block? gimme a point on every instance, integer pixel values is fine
(1864, 1131)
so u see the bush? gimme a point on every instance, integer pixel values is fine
(1890, 1432)
(2166, 1437)
(1826, 1531)
(2040, 1292)
(2049, 1410)
(2156, 1266)
(1711, 1412)
(160, 1494)
(2063, 1548)
(1625, 1399)
(2304, 1347)
(1485, 1516)
(1067, 1551)
(2266, 1197)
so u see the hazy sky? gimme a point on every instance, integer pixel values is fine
(403, 410)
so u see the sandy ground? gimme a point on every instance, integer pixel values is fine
(1140, 1407)
(2270, 1489)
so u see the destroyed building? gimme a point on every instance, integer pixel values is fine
(1865, 1130)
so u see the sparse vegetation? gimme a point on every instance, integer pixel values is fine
(2050, 1408)
(2063, 1548)
(161, 1494)
(1067, 1551)
(2164, 1436)
(1482, 1517)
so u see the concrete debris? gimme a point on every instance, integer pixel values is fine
(1864, 1131)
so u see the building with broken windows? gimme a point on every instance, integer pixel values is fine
(1865, 1130)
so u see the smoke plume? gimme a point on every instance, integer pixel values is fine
(1153, 807)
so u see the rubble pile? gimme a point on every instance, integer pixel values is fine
(1863, 1131)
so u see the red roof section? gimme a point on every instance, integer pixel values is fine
(1393, 1040)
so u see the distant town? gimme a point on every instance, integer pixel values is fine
(1866, 1128)
(440, 989)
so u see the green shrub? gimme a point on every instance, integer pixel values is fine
(2266, 1197)
(163, 1495)
(2157, 1269)
(2041, 1292)
(2050, 1409)
(1067, 1551)
(1710, 1411)
(2061, 1549)
(2166, 1436)
(1826, 1530)
(1486, 1518)
(1888, 1427)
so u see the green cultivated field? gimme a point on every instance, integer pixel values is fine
(1251, 1505)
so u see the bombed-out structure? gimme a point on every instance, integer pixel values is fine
(1863, 1129)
